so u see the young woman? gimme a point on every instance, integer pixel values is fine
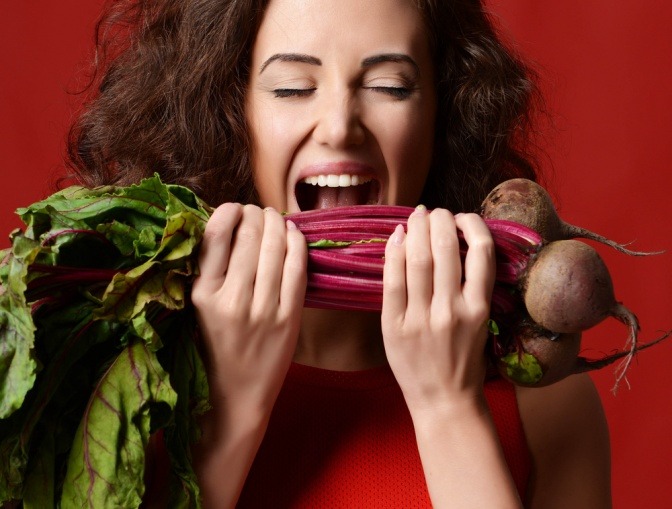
(410, 102)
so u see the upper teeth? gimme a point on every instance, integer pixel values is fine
(336, 180)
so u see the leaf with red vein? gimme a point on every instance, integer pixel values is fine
(107, 460)
(126, 256)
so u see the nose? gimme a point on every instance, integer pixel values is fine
(339, 122)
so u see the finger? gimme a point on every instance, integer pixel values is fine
(446, 256)
(213, 258)
(394, 277)
(244, 259)
(419, 264)
(294, 272)
(479, 264)
(271, 261)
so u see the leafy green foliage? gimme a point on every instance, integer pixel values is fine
(93, 296)
(522, 367)
(106, 462)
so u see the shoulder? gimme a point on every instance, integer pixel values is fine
(568, 437)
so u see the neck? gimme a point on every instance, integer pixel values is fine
(340, 340)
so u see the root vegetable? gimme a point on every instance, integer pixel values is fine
(99, 274)
(526, 202)
(542, 358)
(561, 286)
(568, 288)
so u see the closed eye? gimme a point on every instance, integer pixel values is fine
(396, 92)
(293, 92)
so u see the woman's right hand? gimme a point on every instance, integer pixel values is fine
(248, 299)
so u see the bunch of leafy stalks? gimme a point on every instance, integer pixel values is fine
(98, 343)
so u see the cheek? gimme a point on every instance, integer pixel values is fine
(276, 139)
(272, 154)
(408, 149)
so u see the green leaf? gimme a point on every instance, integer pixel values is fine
(522, 368)
(106, 463)
(114, 264)
(325, 243)
(140, 206)
(181, 236)
(329, 243)
(127, 239)
(493, 328)
(18, 366)
(70, 344)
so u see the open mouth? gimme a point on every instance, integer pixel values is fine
(326, 191)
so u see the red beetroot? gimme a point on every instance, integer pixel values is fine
(568, 288)
(563, 286)
(526, 202)
(554, 357)
(542, 358)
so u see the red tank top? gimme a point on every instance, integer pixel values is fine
(346, 440)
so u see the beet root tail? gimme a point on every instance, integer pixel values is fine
(571, 231)
(584, 364)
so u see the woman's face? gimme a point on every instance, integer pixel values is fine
(341, 104)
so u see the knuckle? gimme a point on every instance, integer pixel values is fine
(446, 320)
(216, 230)
(446, 242)
(483, 242)
(262, 313)
(222, 220)
(392, 283)
(417, 219)
(419, 260)
(248, 233)
(440, 214)
(198, 296)
(479, 312)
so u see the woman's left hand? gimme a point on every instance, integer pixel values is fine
(434, 316)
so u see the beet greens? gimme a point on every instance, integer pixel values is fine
(98, 346)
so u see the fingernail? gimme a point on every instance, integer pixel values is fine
(420, 209)
(398, 235)
(290, 225)
(269, 209)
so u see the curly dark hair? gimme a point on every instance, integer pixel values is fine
(168, 96)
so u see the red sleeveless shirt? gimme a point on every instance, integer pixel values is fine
(346, 440)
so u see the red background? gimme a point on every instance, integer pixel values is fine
(606, 68)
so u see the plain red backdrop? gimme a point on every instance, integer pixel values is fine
(606, 70)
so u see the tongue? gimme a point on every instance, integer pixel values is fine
(328, 197)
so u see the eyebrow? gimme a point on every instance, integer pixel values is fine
(367, 62)
(390, 57)
(290, 57)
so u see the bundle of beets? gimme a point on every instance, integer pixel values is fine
(98, 343)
